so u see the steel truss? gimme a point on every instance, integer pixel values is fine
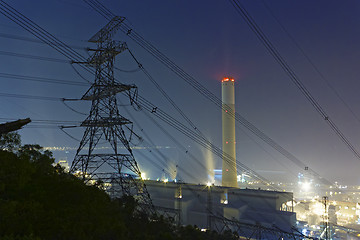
(116, 171)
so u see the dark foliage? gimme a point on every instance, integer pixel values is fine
(40, 201)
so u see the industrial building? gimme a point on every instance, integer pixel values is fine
(198, 204)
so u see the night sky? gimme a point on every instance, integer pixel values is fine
(209, 40)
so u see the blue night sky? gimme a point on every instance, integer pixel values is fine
(209, 40)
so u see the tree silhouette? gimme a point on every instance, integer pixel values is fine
(41, 201)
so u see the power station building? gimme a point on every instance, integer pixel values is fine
(198, 204)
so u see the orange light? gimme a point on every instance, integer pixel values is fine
(227, 79)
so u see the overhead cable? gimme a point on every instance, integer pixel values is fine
(317, 70)
(137, 38)
(41, 79)
(71, 54)
(295, 79)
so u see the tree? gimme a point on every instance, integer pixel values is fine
(10, 141)
(40, 201)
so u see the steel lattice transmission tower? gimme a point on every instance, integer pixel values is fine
(105, 124)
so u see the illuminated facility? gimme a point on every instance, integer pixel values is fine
(197, 204)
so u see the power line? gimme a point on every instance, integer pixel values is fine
(273, 51)
(21, 55)
(65, 50)
(196, 137)
(41, 34)
(13, 95)
(322, 76)
(22, 38)
(71, 54)
(41, 79)
(168, 98)
(131, 33)
(41, 123)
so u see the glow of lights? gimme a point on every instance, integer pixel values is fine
(227, 79)
(306, 186)
(318, 209)
(208, 184)
(143, 175)
(166, 180)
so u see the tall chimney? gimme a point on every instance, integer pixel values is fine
(229, 178)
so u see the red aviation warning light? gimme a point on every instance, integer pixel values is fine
(228, 79)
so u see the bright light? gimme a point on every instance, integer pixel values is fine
(306, 186)
(143, 175)
(208, 184)
(166, 180)
(318, 208)
(227, 79)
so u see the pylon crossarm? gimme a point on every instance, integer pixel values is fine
(108, 30)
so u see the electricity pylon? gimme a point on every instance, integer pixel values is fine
(117, 170)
